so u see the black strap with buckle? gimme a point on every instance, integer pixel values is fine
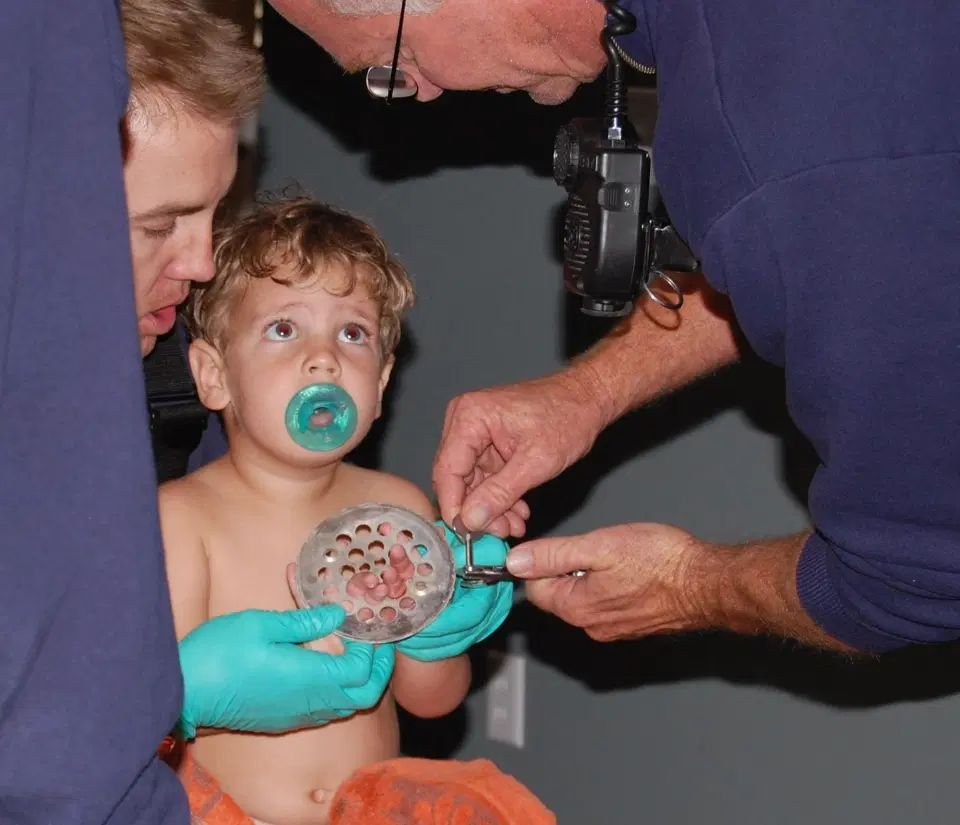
(177, 418)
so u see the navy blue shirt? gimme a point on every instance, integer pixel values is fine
(89, 678)
(810, 153)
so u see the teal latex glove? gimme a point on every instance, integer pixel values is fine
(247, 671)
(473, 613)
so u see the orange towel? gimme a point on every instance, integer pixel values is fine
(405, 791)
(208, 804)
(428, 792)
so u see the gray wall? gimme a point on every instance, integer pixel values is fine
(668, 730)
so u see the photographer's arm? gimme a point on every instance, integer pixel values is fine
(656, 350)
(499, 443)
(653, 578)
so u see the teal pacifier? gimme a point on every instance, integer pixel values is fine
(321, 417)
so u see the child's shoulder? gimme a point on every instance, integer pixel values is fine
(386, 488)
(190, 492)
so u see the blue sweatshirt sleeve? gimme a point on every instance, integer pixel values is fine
(821, 189)
(873, 374)
(862, 302)
(89, 673)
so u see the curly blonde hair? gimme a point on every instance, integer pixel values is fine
(310, 237)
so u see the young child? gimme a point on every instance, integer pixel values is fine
(303, 295)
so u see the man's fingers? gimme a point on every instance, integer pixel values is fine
(367, 694)
(468, 452)
(455, 462)
(350, 669)
(499, 527)
(497, 494)
(545, 558)
(554, 595)
(298, 626)
(517, 524)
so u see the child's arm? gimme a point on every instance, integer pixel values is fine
(426, 689)
(188, 570)
(431, 689)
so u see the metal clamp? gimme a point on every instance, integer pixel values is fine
(477, 575)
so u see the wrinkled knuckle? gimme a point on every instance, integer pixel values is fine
(499, 491)
(580, 618)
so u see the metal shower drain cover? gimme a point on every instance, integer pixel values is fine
(358, 540)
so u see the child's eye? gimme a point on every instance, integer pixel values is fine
(280, 331)
(354, 334)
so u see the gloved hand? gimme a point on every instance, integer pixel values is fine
(473, 613)
(247, 671)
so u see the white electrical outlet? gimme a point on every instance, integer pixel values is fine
(506, 698)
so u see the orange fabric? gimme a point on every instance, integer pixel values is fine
(208, 804)
(411, 791)
(401, 791)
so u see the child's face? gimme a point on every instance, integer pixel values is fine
(281, 339)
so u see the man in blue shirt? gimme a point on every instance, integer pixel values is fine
(89, 676)
(810, 154)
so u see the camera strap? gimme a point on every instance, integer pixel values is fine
(177, 418)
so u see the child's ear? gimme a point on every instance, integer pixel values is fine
(385, 371)
(206, 364)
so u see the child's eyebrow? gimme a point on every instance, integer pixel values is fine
(278, 310)
(367, 313)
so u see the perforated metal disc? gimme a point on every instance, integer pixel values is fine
(357, 540)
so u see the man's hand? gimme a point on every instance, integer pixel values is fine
(248, 671)
(499, 443)
(636, 584)
(473, 613)
(645, 579)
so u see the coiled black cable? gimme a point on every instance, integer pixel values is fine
(619, 22)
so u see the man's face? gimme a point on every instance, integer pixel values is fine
(544, 47)
(178, 169)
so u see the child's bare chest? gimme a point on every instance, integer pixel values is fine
(249, 559)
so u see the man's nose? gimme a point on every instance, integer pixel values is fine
(426, 91)
(195, 260)
(322, 361)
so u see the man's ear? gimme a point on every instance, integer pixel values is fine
(385, 371)
(206, 364)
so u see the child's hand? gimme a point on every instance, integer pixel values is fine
(392, 583)
(474, 612)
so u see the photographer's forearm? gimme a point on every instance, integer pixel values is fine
(656, 350)
(751, 589)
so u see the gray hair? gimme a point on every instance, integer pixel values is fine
(368, 7)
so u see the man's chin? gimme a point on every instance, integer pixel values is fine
(552, 95)
(147, 343)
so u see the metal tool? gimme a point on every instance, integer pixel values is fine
(475, 575)
(358, 540)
